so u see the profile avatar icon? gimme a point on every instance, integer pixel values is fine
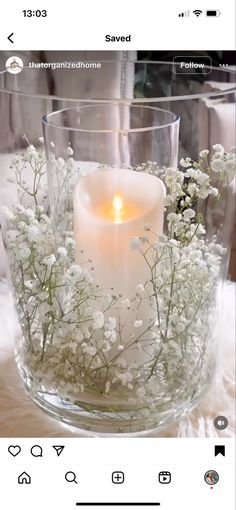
(14, 65)
(211, 477)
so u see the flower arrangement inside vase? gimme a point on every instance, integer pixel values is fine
(96, 352)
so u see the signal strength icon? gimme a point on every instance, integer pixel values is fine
(184, 14)
(197, 12)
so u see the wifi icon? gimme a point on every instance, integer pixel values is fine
(197, 12)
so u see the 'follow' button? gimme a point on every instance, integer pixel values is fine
(189, 64)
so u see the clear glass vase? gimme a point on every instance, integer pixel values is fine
(116, 257)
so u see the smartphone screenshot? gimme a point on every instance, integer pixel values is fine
(117, 255)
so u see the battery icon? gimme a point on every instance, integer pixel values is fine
(213, 13)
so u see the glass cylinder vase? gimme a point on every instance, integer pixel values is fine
(115, 262)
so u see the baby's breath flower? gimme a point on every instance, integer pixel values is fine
(125, 303)
(204, 153)
(138, 323)
(111, 323)
(217, 165)
(202, 179)
(140, 289)
(62, 252)
(218, 148)
(185, 162)
(192, 189)
(69, 151)
(98, 319)
(189, 214)
(49, 261)
(136, 243)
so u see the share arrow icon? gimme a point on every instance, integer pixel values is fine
(59, 449)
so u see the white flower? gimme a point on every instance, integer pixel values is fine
(218, 148)
(203, 153)
(89, 349)
(108, 299)
(188, 214)
(62, 252)
(120, 348)
(7, 213)
(137, 323)
(217, 165)
(69, 151)
(76, 270)
(29, 213)
(162, 238)
(230, 167)
(203, 193)
(174, 217)
(179, 176)
(214, 192)
(125, 378)
(191, 172)
(140, 289)
(185, 162)
(49, 261)
(98, 320)
(195, 254)
(202, 178)
(12, 235)
(180, 327)
(136, 243)
(168, 200)
(23, 253)
(70, 242)
(192, 188)
(29, 284)
(113, 336)
(111, 323)
(31, 150)
(33, 233)
(125, 303)
(201, 230)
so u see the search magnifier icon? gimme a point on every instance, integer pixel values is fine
(70, 476)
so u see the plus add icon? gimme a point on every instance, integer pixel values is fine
(118, 477)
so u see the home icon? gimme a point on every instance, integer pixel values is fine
(24, 478)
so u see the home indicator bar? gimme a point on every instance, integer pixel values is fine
(118, 504)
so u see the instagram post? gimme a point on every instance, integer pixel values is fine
(117, 255)
(118, 244)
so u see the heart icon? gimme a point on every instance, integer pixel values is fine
(14, 450)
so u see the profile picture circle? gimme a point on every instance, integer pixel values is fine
(14, 65)
(211, 477)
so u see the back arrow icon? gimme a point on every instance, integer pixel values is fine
(10, 36)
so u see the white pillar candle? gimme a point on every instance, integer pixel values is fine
(110, 208)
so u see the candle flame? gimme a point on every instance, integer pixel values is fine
(117, 203)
